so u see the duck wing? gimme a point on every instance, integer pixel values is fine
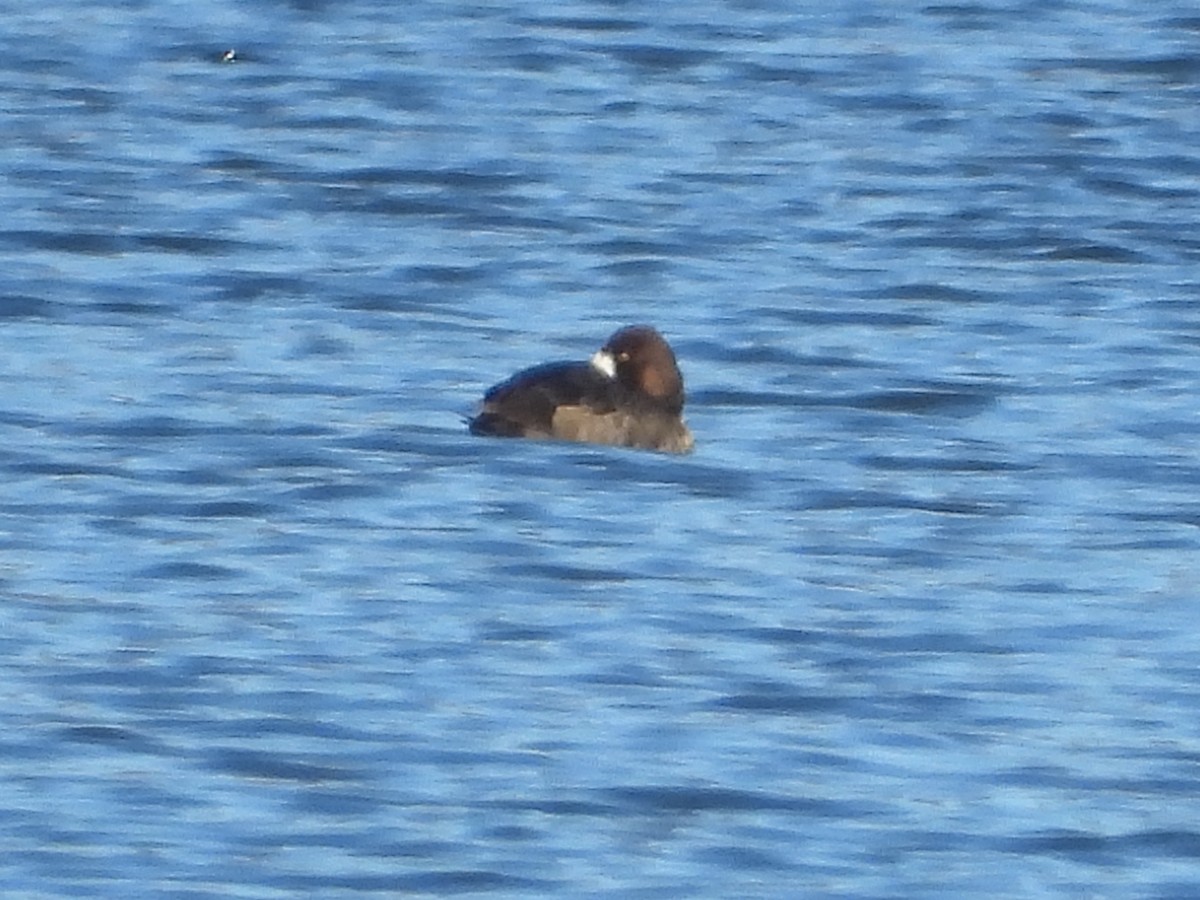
(527, 403)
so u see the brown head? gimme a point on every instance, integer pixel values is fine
(639, 358)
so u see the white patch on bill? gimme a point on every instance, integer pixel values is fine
(603, 362)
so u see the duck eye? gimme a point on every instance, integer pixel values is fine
(624, 357)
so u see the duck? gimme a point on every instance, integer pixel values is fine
(629, 394)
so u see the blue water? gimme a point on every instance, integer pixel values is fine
(918, 618)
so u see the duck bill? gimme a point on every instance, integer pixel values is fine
(602, 361)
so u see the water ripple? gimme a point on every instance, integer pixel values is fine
(915, 618)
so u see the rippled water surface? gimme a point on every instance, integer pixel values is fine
(917, 618)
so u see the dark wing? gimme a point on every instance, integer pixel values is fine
(525, 405)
